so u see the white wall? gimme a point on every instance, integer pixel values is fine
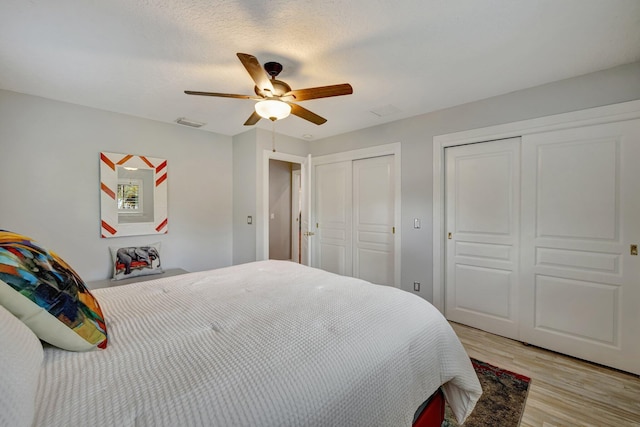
(50, 191)
(416, 134)
(279, 210)
(244, 197)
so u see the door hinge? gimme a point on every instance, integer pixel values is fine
(450, 236)
(393, 230)
(317, 226)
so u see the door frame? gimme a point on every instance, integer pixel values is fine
(296, 200)
(592, 116)
(365, 153)
(262, 246)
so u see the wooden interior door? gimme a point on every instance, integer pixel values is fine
(580, 285)
(482, 222)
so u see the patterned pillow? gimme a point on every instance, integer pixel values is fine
(133, 261)
(43, 291)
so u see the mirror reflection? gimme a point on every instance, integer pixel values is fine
(133, 196)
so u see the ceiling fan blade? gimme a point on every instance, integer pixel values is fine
(321, 92)
(223, 95)
(253, 119)
(306, 114)
(256, 72)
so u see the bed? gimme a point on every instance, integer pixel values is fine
(269, 343)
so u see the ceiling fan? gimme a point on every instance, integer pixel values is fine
(275, 97)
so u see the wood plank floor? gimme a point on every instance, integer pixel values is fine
(564, 391)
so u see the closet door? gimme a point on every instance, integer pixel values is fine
(482, 222)
(374, 220)
(580, 283)
(334, 217)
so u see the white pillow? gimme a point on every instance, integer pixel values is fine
(21, 355)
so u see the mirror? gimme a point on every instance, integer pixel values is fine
(133, 195)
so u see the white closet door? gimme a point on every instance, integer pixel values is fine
(580, 285)
(334, 217)
(482, 222)
(374, 220)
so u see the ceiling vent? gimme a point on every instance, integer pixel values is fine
(387, 110)
(187, 122)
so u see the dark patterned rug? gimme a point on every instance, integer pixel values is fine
(504, 394)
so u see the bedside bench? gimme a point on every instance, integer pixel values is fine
(106, 283)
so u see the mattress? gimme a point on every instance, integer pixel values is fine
(269, 343)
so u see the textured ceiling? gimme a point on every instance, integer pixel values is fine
(403, 58)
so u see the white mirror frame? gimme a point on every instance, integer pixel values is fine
(110, 225)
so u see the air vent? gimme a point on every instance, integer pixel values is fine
(188, 122)
(386, 110)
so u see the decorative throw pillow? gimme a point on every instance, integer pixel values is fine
(21, 355)
(43, 291)
(133, 261)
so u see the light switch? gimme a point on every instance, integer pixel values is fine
(416, 222)
(273, 216)
(249, 219)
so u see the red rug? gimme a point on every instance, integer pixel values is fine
(504, 394)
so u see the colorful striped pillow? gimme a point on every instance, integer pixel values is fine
(43, 291)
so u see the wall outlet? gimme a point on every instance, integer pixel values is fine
(249, 219)
(416, 223)
(416, 286)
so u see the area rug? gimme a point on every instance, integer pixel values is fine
(504, 394)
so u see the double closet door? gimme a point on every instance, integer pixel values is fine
(543, 244)
(355, 218)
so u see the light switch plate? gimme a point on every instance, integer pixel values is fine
(416, 222)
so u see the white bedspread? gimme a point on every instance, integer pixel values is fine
(262, 344)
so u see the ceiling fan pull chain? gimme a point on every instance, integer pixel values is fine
(273, 136)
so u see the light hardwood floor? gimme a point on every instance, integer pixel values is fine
(564, 391)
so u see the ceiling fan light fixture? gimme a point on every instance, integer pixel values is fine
(273, 109)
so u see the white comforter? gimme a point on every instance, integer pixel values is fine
(263, 344)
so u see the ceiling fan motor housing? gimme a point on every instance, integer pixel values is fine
(279, 89)
(273, 68)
